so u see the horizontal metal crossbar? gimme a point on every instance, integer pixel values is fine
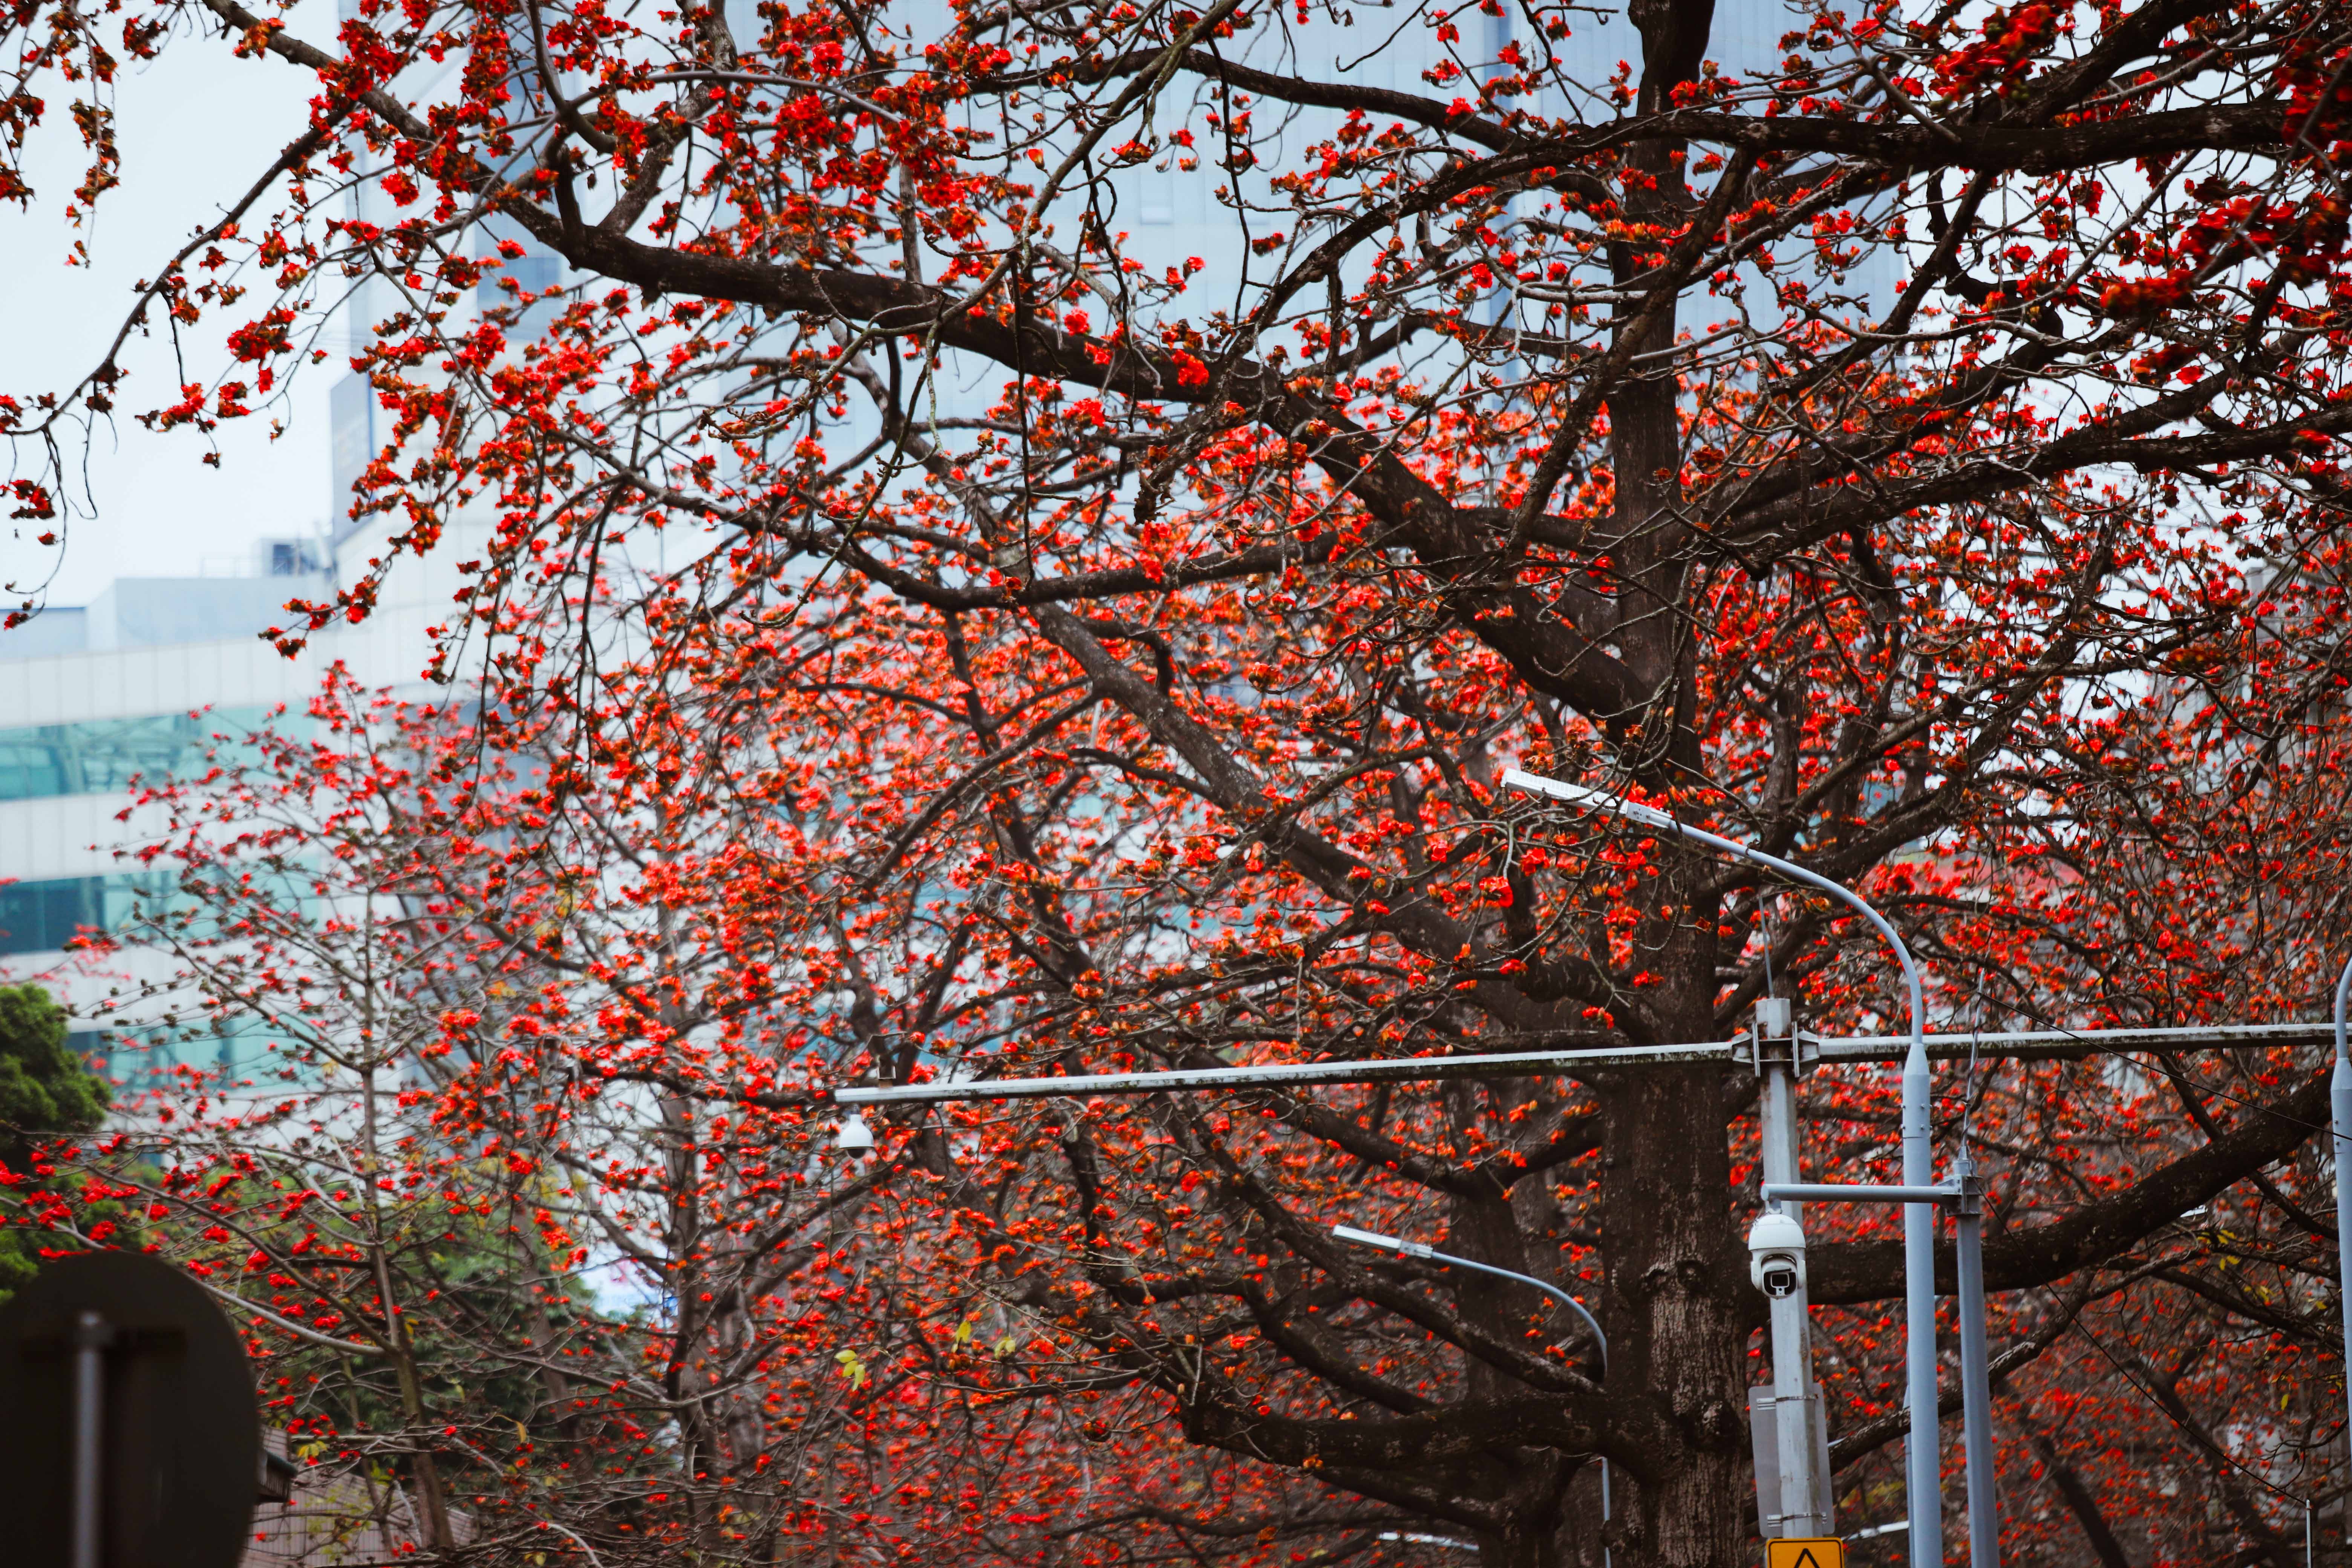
(2045, 1045)
(1283, 1075)
(2013, 1046)
(1853, 1193)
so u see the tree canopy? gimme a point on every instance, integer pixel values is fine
(921, 628)
(47, 1092)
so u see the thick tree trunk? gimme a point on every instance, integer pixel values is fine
(1537, 1537)
(1677, 1334)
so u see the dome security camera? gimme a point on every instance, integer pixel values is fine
(1776, 1254)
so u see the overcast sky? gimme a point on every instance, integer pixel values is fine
(195, 129)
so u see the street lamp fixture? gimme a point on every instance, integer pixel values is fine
(1446, 1259)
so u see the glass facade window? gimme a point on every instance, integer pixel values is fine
(99, 756)
(42, 917)
(31, 767)
(141, 1059)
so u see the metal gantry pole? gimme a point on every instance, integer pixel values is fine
(1976, 1373)
(1831, 1050)
(1430, 1255)
(1923, 1469)
(1799, 1437)
(2340, 1104)
(1291, 1075)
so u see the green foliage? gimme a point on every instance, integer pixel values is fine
(45, 1091)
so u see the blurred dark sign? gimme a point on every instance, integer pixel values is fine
(129, 1435)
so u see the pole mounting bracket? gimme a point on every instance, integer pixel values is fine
(1774, 1039)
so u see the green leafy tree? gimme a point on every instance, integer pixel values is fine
(46, 1091)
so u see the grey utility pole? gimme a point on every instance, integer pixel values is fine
(1922, 1455)
(1791, 1433)
(1965, 1197)
(2340, 1103)
(1976, 1368)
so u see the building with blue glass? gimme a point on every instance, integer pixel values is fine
(146, 680)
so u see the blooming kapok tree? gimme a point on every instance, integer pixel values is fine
(528, 1264)
(526, 1297)
(1150, 707)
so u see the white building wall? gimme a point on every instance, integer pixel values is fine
(59, 847)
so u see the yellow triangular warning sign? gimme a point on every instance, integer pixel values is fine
(1805, 1552)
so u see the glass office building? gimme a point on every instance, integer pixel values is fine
(104, 756)
(156, 677)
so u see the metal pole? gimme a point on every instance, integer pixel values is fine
(1792, 1419)
(1796, 1408)
(1966, 1198)
(2340, 1102)
(1290, 1075)
(1923, 1468)
(1976, 1385)
(89, 1340)
(2023, 1045)
(1853, 1193)
(1923, 1454)
(1430, 1254)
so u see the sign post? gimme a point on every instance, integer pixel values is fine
(1965, 1197)
(129, 1433)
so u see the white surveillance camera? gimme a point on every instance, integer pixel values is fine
(1776, 1254)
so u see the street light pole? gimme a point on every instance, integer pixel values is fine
(2340, 1102)
(1790, 1433)
(1430, 1255)
(1923, 1477)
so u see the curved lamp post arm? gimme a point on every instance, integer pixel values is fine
(1431, 1254)
(1415, 1249)
(1602, 803)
